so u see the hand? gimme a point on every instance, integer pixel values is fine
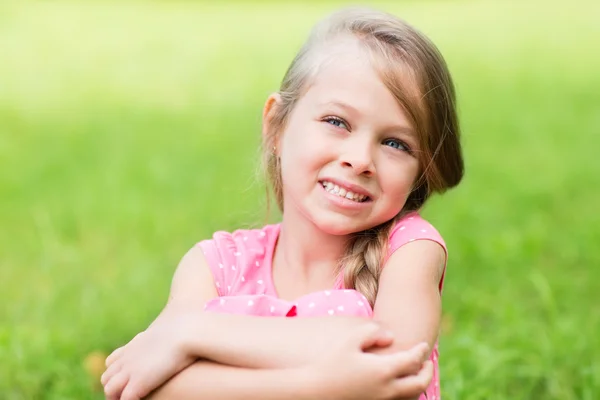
(349, 372)
(150, 358)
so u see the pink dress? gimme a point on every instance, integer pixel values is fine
(241, 267)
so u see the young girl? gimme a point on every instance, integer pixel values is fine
(341, 300)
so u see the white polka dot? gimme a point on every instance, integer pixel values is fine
(260, 281)
(411, 218)
(245, 238)
(434, 358)
(347, 291)
(311, 305)
(262, 234)
(217, 284)
(272, 309)
(330, 312)
(233, 267)
(257, 264)
(222, 302)
(436, 384)
(327, 293)
(243, 279)
(237, 254)
(402, 228)
(340, 308)
(250, 303)
(423, 230)
(228, 288)
(360, 304)
(205, 306)
(220, 265)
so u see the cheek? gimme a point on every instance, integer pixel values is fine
(296, 160)
(399, 179)
(304, 146)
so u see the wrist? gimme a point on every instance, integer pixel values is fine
(308, 383)
(195, 338)
(313, 383)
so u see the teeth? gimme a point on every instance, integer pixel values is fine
(335, 189)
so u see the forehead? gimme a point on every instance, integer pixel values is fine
(346, 75)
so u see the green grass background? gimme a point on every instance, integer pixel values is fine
(129, 131)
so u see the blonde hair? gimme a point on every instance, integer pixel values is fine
(416, 74)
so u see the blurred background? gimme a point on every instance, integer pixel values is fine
(129, 131)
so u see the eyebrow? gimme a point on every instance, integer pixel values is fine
(347, 107)
(340, 104)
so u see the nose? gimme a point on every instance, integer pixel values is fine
(358, 156)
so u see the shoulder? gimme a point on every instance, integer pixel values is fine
(230, 255)
(410, 228)
(233, 244)
(415, 243)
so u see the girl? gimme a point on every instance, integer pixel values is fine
(362, 132)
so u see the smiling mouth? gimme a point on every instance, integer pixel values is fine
(341, 192)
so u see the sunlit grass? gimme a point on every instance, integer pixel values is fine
(129, 131)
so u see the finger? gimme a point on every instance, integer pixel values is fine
(130, 393)
(115, 386)
(384, 340)
(409, 362)
(369, 335)
(413, 385)
(422, 350)
(114, 356)
(110, 372)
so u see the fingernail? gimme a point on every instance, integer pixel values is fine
(388, 333)
(423, 347)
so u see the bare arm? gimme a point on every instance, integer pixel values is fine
(408, 297)
(138, 367)
(205, 380)
(408, 300)
(345, 372)
(268, 342)
(244, 341)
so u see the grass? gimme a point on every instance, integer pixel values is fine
(129, 131)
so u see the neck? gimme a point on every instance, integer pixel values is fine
(305, 251)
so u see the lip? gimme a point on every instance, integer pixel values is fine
(349, 187)
(343, 203)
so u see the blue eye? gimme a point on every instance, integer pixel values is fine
(337, 122)
(396, 144)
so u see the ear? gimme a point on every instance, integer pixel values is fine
(271, 105)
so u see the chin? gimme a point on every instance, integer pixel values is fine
(339, 227)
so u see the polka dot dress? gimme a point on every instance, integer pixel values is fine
(240, 263)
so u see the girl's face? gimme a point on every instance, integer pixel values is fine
(348, 151)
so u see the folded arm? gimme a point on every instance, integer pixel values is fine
(245, 341)
(206, 380)
(408, 304)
